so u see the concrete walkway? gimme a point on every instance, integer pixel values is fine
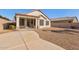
(25, 40)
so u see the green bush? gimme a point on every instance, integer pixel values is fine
(12, 27)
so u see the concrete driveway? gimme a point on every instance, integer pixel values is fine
(25, 40)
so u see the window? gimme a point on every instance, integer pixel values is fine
(41, 22)
(47, 22)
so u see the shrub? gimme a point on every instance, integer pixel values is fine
(12, 27)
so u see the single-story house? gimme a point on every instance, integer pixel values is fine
(3, 22)
(35, 19)
(65, 22)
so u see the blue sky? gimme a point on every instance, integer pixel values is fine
(51, 13)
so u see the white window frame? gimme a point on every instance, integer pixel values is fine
(41, 24)
(46, 22)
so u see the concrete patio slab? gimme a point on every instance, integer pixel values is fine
(25, 40)
(11, 40)
(34, 42)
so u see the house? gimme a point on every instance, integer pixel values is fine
(35, 19)
(3, 22)
(65, 22)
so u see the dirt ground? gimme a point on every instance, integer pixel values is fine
(67, 39)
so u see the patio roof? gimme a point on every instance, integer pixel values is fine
(26, 15)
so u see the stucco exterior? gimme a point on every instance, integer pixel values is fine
(37, 15)
(42, 16)
(2, 22)
(65, 20)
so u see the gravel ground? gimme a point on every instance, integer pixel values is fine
(67, 39)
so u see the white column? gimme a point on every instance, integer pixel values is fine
(17, 22)
(36, 23)
(25, 23)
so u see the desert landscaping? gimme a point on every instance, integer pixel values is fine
(34, 30)
(68, 39)
(40, 39)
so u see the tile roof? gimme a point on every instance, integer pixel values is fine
(63, 18)
(4, 18)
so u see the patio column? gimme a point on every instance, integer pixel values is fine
(33, 23)
(36, 23)
(25, 22)
(17, 23)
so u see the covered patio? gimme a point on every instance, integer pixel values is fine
(26, 21)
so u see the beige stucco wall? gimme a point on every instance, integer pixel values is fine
(35, 13)
(44, 26)
(2, 21)
(75, 20)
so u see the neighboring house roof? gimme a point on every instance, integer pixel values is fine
(64, 18)
(4, 18)
(26, 15)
